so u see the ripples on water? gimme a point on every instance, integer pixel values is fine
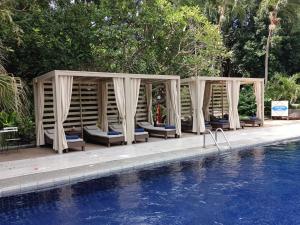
(260, 186)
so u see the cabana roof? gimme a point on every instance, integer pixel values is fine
(91, 76)
(243, 80)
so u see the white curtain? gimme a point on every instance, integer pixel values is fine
(206, 100)
(192, 89)
(235, 103)
(148, 90)
(134, 98)
(229, 85)
(233, 92)
(62, 102)
(200, 95)
(174, 105)
(119, 89)
(102, 105)
(170, 115)
(40, 113)
(257, 86)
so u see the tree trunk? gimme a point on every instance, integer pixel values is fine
(267, 57)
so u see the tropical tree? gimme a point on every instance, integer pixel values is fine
(283, 87)
(12, 89)
(289, 10)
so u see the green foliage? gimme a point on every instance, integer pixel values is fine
(247, 104)
(282, 87)
(8, 119)
(152, 37)
(25, 124)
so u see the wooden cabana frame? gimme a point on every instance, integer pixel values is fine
(197, 84)
(127, 81)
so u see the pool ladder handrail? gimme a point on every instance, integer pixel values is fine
(215, 138)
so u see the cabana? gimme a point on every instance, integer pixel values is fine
(62, 92)
(200, 91)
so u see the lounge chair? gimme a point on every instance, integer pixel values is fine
(139, 134)
(187, 125)
(73, 143)
(96, 135)
(157, 131)
(223, 124)
(252, 121)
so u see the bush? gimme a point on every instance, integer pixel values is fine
(247, 104)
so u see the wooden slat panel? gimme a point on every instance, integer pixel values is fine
(89, 106)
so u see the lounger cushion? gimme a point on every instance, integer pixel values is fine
(99, 132)
(148, 126)
(138, 130)
(113, 133)
(170, 127)
(72, 137)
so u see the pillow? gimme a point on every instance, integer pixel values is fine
(72, 137)
(139, 130)
(113, 133)
(253, 118)
(170, 127)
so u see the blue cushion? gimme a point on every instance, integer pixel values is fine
(223, 121)
(253, 118)
(170, 127)
(71, 137)
(139, 130)
(113, 133)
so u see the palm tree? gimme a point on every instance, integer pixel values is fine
(273, 7)
(12, 89)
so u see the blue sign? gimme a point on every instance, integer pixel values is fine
(279, 108)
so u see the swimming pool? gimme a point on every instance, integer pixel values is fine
(259, 186)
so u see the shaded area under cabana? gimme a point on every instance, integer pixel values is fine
(201, 97)
(65, 100)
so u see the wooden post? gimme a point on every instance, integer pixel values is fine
(35, 107)
(197, 103)
(80, 105)
(262, 102)
(222, 98)
(179, 102)
(128, 110)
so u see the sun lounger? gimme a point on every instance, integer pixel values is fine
(73, 143)
(139, 134)
(96, 135)
(223, 124)
(252, 121)
(187, 125)
(157, 131)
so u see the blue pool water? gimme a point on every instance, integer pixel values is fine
(259, 186)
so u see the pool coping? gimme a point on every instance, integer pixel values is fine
(55, 179)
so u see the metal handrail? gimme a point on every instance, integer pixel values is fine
(216, 136)
(212, 136)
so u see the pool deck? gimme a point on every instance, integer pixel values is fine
(26, 175)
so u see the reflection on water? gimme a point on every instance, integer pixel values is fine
(259, 186)
(129, 191)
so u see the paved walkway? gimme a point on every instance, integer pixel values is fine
(45, 172)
